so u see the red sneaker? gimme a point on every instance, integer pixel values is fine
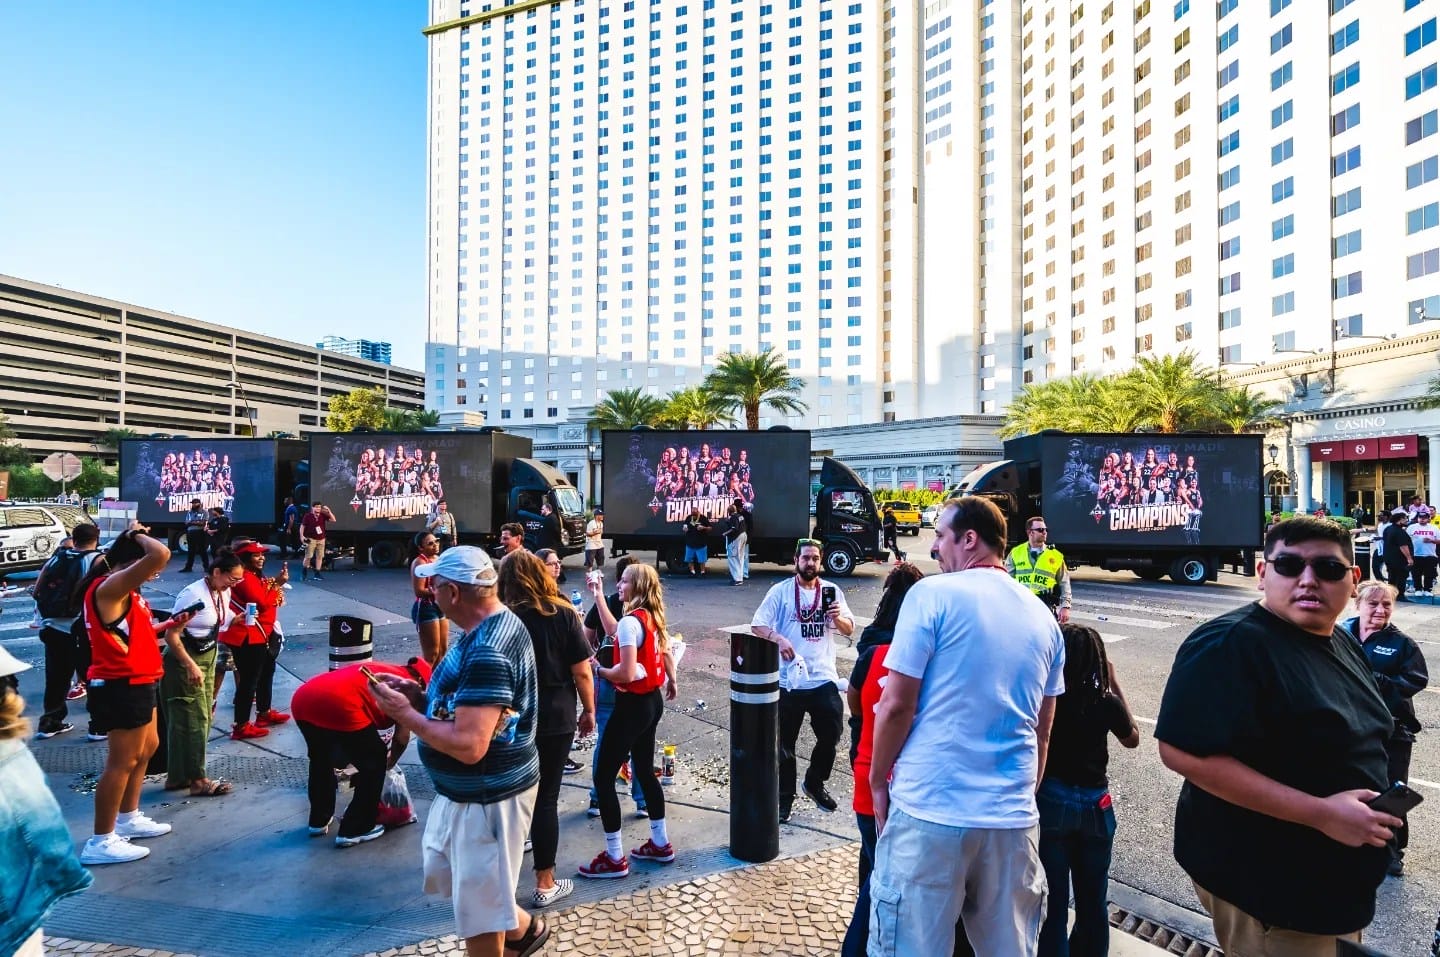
(267, 718)
(650, 851)
(76, 692)
(605, 867)
(247, 730)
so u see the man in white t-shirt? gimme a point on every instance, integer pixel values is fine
(1424, 536)
(797, 616)
(964, 725)
(595, 541)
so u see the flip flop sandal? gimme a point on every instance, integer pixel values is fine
(533, 940)
(215, 788)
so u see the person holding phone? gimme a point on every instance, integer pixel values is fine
(341, 724)
(255, 643)
(1398, 667)
(1273, 719)
(124, 677)
(187, 686)
(801, 615)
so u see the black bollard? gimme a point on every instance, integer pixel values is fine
(754, 747)
(350, 641)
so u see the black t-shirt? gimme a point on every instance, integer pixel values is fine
(617, 611)
(696, 532)
(1394, 539)
(1304, 711)
(1079, 752)
(559, 644)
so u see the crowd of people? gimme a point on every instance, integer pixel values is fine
(1403, 550)
(979, 728)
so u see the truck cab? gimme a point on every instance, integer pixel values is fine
(846, 519)
(552, 510)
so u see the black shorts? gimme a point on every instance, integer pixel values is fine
(120, 707)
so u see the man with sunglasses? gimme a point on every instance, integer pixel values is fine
(1040, 567)
(1272, 718)
(796, 616)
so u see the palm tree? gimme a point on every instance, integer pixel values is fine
(695, 408)
(426, 418)
(1112, 410)
(1173, 392)
(625, 409)
(1067, 403)
(398, 420)
(111, 438)
(1431, 398)
(748, 380)
(1241, 410)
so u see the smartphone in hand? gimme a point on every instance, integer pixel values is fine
(1397, 800)
(369, 674)
(827, 596)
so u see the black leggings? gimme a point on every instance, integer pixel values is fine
(334, 749)
(545, 822)
(630, 732)
(254, 679)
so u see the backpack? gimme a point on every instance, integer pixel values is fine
(58, 594)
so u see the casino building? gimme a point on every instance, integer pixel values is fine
(1351, 431)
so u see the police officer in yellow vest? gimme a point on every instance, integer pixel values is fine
(1041, 569)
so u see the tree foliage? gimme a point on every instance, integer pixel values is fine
(111, 438)
(357, 409)
(695, 408)
(1431, 397)
(1161, 393)
(745, 381)
(625, 409)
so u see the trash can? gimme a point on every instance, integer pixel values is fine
(754, 746)
(350, 640)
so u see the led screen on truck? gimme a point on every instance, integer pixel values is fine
(391, 482)
(1150, 490)
(654, 479)
(163, 476)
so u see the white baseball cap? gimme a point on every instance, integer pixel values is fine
(10, 665)
(464, 565)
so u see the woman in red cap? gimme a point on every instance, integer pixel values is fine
(254, 640)
(342, 723)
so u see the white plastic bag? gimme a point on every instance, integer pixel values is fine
(395, 806)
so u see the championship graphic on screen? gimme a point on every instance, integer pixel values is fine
(664, 477)
(392, 482)
(1153, 490)
(165, 478)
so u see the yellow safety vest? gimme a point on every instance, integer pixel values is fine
(1043, 574)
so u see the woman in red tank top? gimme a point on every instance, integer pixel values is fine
(124, 681)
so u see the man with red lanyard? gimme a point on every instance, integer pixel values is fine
(342, 723)
(124, 682)
(254, 642)
(797, 616)
(312, 540)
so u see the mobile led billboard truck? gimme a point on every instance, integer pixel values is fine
(653, 480)
(1156, 504)
(384, 487)
(248, 478)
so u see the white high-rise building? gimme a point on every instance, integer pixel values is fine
(622, 190)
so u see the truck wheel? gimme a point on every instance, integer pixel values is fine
(840, 561)
(675, 563)
(1151, 574)
(387, 555)
(1189, 570)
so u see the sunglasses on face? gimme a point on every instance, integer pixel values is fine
(1326, 569)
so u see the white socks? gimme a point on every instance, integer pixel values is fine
(125, 817)
(612, 846)
(657, 832)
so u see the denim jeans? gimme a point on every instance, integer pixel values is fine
(1076, 837)
(858, 933)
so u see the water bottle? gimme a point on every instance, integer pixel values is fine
(667, 765)
(576, 599)
(251, 613)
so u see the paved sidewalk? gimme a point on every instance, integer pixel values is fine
(793, 906)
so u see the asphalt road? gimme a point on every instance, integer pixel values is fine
(1143, 622)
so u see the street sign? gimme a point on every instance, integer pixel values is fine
(61, 466)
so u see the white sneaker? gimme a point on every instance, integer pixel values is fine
(111, 849)
(140, 826)
(370, 835)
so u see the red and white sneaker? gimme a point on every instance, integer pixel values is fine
(76, 692)
(247, 730)
(605, 867)
(266, 719)
(650, 851)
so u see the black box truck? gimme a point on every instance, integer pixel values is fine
(1156, 504)
(248, 478)
(383, 488)
(653, 480)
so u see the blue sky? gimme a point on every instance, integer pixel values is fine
(257, 164)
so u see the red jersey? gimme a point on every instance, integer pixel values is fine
(647, 654)
(128, 649)
(313, 525)
(265, 597)
(340, 700)
(869, 698)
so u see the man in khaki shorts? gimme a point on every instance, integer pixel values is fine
(477, 740)
(312, 540)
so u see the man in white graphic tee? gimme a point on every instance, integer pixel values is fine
(801, 614)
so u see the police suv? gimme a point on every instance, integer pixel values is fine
(30, 533)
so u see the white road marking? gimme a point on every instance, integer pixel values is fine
(1424, 783)
(1149, 721)
(1111, 639)
(1149, 623)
